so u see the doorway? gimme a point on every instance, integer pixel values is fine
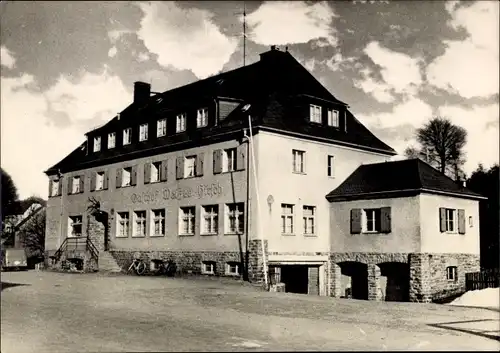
(295, 278)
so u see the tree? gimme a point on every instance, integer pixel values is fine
(441, 145)
(32, 234)
(10, 198)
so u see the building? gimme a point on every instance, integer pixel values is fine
(225, 176)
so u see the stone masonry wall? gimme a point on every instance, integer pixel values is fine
(256, 260)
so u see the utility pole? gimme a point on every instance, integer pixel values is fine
(244, 32)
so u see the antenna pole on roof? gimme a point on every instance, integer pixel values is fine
(244, 32)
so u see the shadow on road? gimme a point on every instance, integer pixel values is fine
(6, 285)
(480, 333)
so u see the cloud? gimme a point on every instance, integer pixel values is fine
(338, 62)
(6, 58)
(470, 67)
(185, 38)
(39, 129)
(303, 22)
(112, 52)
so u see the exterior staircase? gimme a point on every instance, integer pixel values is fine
(107, 262)
(77, 252)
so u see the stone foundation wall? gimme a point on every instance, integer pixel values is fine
(256, 271)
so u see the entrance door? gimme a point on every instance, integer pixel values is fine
(295, 278)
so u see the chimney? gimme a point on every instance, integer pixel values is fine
(142, 92)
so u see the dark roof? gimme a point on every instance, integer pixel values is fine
(270, 85)
(405, 177)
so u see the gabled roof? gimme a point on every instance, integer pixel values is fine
(397, 178)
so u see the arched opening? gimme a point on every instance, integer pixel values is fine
(354, 280)
(395, 281)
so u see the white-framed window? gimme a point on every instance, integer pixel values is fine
(287, 218)
(155, 172)
(99, 181)
(55, 188)
(143, 132)
(232, 268)
(161, 127)
(209, 219)
(315, 113)
(333, 117)
(123, 223)
(234, 214)
(126, 176)
(371, 220)
(298, 161)
(451, 220)
(471, 223)
(75, 185)
(208, 267)
(186, 220)
(75, 226)
(158, 223)
(127, 136)
(330, 166)
(451, 273)
(111, 140)
(202, 117)
(309, 218)
(229, 160)
(189, 166)
(97, 143)
(180, 122)
(140, 224)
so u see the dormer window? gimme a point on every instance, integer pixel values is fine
(97, 143)
(333, 117)
(202, 117)
(315, 113)
(161, 128)
(111, 140)
(143, 132)
(127, 136)
(180, 123)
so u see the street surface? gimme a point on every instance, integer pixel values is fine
(59, 312)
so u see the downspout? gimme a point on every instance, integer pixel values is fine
(247, 221)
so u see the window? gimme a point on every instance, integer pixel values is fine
(75, 186)
(233, 268)
(450, 220)
(298, 161)
(55, 188)
(208, 267)
(189, 166)
(234, 218)
(453, 220)
(286, 218)
(451, 273)
(309, 214)
(229, 160)
(186, 222)
(111, 140)
(333, 117)
(330, 166)
(123, 224)
(143, 132)
(127, 136)
(140, 224)
(161, 128)
(158, 223)
(126, 176)
(315, 113)
(180, 123)
(371, 220)
(209, 220)
(75, 226)
(99, 181)
(202, 117)
(471, 224)
(97, 143)
(155, 172)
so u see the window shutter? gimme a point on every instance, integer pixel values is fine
(198, 168)
(147, 173)
(442, 219)
(105, 182)
(164, 170)
(118, 178)
(240, 157)
(70, 184)
(82, 182)
(133, 176)
(217, 161)
(461, 221)
(50, 187)
(179, 167)
(92, 181)
(59, 189)
(355, 221)
(385, 220)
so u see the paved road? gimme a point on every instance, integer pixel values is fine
(54, 312)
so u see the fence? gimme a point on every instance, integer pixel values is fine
(481, 280)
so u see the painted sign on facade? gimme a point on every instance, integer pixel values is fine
(200, 191)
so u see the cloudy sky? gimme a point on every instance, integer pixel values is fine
(67, 67)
